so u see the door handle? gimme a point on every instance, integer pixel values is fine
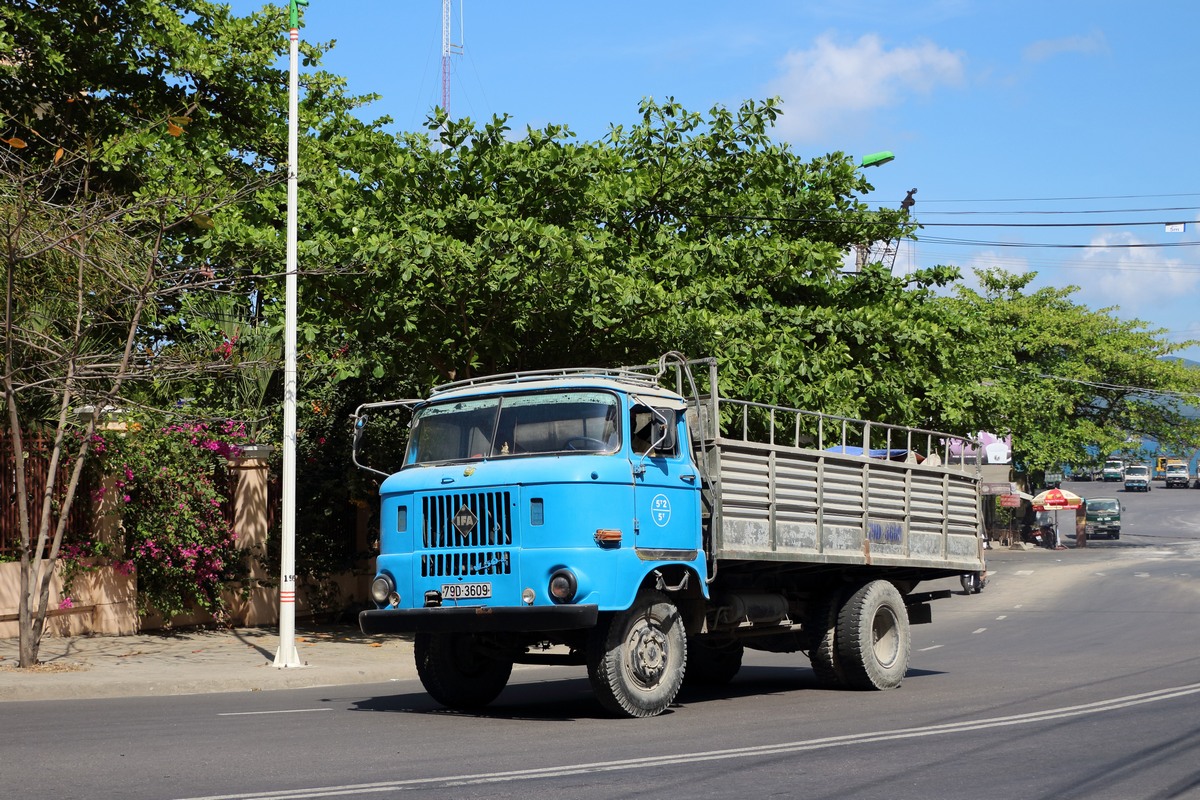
(689, 478)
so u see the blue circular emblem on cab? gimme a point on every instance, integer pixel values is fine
(660, 510)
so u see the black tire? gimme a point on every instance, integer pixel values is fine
(971, 583)
(636, 658)
(712, 663)
(457, 671)
(872, 639)
(821, 628)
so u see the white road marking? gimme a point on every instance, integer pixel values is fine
(931, 647)
(979, 630)
(1002, 616)
(1141, 574)
(259, 713)
(1024, 572)
(757, 751)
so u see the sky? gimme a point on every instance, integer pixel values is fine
(1057, 136)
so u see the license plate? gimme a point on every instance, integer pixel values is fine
(466, 591)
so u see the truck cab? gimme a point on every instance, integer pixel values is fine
(1137, 478)
(1177, 476)
(1114, 470)
(519, 502)
(1103, 517)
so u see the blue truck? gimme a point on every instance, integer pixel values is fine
(635, 522)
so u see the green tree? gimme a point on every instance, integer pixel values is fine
(481, 252)
(132, 135)
(1064, 378)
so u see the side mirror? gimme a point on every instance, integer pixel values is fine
(663, 434)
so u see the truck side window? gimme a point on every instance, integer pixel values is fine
(644, 431)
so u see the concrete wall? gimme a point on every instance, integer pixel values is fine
(105, 601)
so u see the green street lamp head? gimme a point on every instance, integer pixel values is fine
(294, 12)
(877, 159)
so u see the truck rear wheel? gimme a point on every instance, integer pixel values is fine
(636, 658)
(458, 671)
(821, 628)
(872, 638)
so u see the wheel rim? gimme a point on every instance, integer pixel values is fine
(885, 634)
(648, 653)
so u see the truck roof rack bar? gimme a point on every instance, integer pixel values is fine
(624, 374)
(648, 375)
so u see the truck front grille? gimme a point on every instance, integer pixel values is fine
(466, 550)
(467, 564)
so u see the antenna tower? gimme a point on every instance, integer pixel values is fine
(449, 49)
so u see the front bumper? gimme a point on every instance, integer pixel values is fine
(458, 619)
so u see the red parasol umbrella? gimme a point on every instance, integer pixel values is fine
(1056, 500)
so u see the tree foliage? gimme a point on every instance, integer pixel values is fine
(480, 252)
(1069, 381)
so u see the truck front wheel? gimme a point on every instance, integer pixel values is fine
(458, 670)
(636, 658)
(872, 640)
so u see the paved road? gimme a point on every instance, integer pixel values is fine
(1075, 674)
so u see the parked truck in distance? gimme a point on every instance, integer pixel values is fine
(1137, 478)
(1161, 463)
(636, 522)
(1114, 470)
(1177, 475)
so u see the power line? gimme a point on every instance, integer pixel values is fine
(1123, 388)
(1109, 246)
(1064, 211)
(1038, 224)
(1062, 199)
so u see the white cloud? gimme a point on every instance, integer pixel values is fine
(1094, 42)
(1140, 280)
(832, 85)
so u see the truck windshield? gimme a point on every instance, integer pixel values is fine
(514, 425)
(1102, 506)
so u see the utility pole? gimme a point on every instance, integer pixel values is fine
(286, 655)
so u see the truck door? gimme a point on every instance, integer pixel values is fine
(666, 485)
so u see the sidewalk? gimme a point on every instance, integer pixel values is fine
(200, 661)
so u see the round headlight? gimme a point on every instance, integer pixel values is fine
(381, 588)
(563, 586)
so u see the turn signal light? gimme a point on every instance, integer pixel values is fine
(609, 536)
